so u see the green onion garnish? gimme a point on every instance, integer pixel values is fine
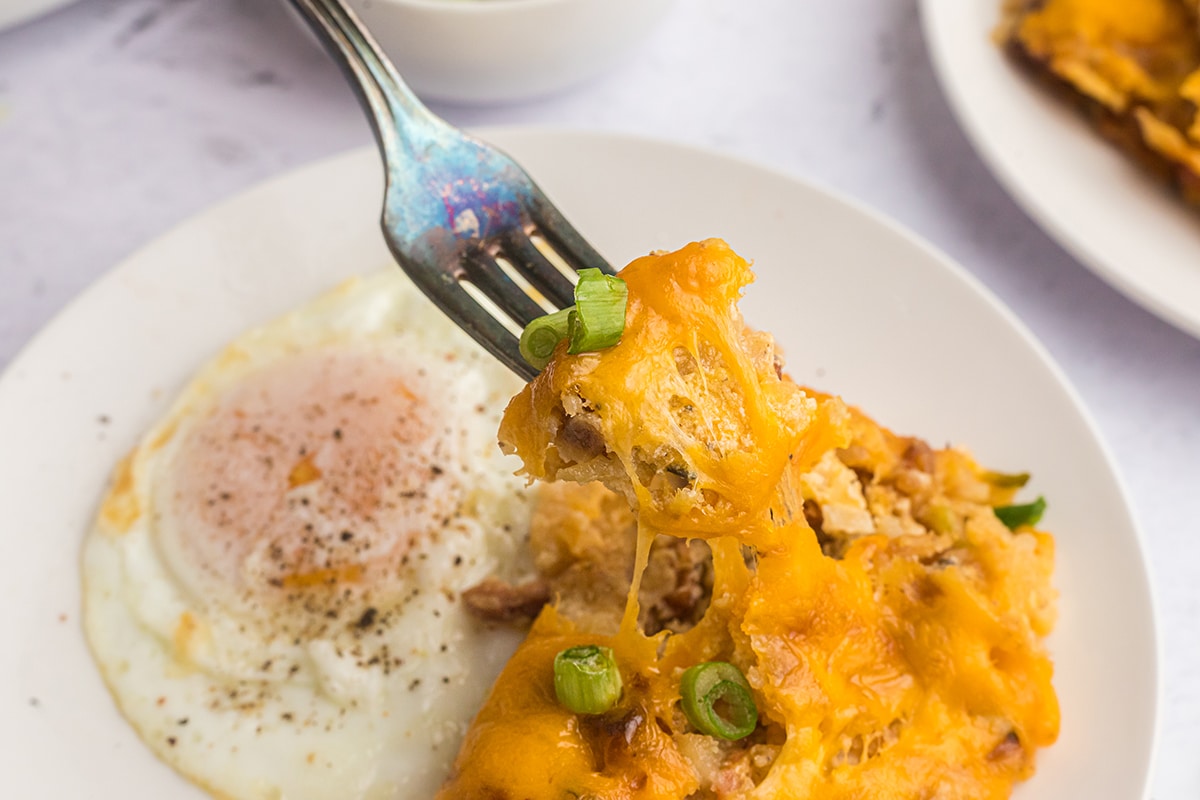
(940, 519)
(586, 679)
(599, 317)
(595, 322)
(541, 336)
(1006, 480)
(1014, 517)
(717, 700)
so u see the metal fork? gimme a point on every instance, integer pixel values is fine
(466, 223)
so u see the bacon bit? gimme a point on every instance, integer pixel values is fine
(496, 601)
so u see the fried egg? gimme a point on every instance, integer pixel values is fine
(271, 588)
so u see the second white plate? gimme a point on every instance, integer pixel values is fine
(860, 307)
(1097, 204)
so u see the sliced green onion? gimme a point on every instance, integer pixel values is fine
(541, 336)
(599, 317)
(1014, 517)
(1006, 480)
(940, 519)
(717, 700)
(586, 679)
(595, 322)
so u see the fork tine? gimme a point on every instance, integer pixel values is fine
(445, 241)
(485, 274)
(565, 240)
(537, 269)
(477, 321)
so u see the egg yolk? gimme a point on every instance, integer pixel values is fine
(312, 479)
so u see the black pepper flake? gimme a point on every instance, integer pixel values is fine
(458, 561)
(337, 434)
(436, 470)
(446, 679)
(415, 683)
(286, 716)
(347, 535)
(183, 721)
(171, 741)
(368, 618)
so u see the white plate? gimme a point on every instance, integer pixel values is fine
(1085, 193)
(860, 306)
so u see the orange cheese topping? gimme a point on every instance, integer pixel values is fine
(1140, 61)
(689, 387)
(908, 667)
(1115, 51)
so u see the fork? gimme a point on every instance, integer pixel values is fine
(464, 221)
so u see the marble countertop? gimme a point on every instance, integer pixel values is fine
(120, 118)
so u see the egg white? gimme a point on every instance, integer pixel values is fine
(312, 649)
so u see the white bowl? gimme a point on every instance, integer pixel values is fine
(494, 51)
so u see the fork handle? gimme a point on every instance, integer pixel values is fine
(400, 121)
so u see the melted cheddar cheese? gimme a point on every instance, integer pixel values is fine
(695, 425)
(888, 623)
(1116, 51)
(1136, 65)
